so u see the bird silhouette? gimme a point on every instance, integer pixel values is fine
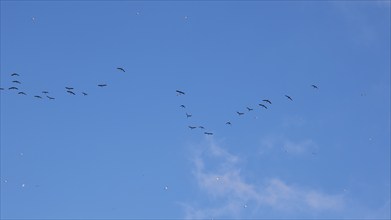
(201, 127)
(208, 133)
(180, 92)
(192, 127)
(22, 93)
(10, 88)
(45, 92)
(69, 88)
(14, 74)
(188, 115)
(84, 93)
(289, 97)
(1, 88)
(249, 109)
(262, 105)
(314, 86)
(240, 113)
(228, 123)
(183, 106)
(122, 69)
(37, 96)
(51, 98)
(267, 100)
(102, 85)
(70, 92)
(16, 81)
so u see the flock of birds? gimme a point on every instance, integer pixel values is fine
(264, 104)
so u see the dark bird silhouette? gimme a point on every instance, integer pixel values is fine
(70, 92)
(249, 109)
(315, 87)
(14, 74)
(45, 92)
(16, 81)
(289, 97)
(208, 133)
(69, 88)
(267, 100)
(188, 115)
(84, 93)
(180, 92)
(192, 127)
(10, 88)
(201, 127)
(37, 96)
(1, 88)
(240, 113)
(102, 85)
(183, 106)
(122, 69)
(51, 98)
(262, 105)
(22, 93)
(228, 123)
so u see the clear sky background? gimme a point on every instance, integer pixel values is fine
(125, 150)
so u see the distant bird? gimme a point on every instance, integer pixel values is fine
(267, 100)
(249, 109)
(228, 123)
(188, 115)
(14, 74)
(51, 98)
(1, 88)
(192, 127)
(240, 113)
(45, 92)
(180, 92)
(201, 127)
(102, 85)
(183, 106)
(69, 88)
(37, 96)
(122, 69)
(208, 133)
(262, 105)
(315, 87)
(22, 93)
(70, 92)
(16, 81)
(84, 93)
(10, 88)
(289, 97)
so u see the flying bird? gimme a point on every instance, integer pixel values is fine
(84, 93)
(16, 81)
(192, 127)
(267, 100)
(262, 105)
(102, 85)
(289, 97)
(201, 127)
(51, 98)
(183, 106)
(37, 96)
(240, 113)
(1, 88)
(188, 115)
(208, 133)
(228, 123)
(315, 87)
(122, 69)
(249, 109)
(14, 74)
(22, 93)
(69, 88)
(179, 92)
(45, 92)
(70, 92)
(13, 88)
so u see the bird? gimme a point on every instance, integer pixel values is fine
(267, 100)
(201, 127)
(37, 96)
(13, 88)
(188, 115)
(69, 88)
(51, 98)
(70, 92)
(192, 127)
(289, 97)
(84, 93)
(1, 88)
(45, 92)
(102, 85)
(22, 93)
(262, 105)
(249, 109)
(183, 106)
(16, 81)
(240, 113)
(179, 92)
(208, 133)
(122, 69)
(314, 86)
(228, 123)
(14, 74)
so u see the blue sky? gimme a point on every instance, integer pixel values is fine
(125, 150)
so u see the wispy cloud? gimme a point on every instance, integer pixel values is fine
(281, 143)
